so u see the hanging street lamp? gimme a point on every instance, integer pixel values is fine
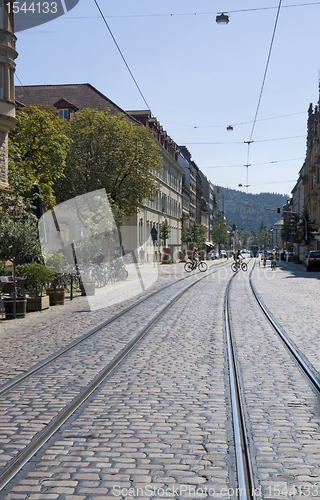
(222, 18)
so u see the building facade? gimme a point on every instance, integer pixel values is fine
(8, 54)
(306, 192)
(167, 206)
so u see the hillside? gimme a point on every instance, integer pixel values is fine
(247, 211)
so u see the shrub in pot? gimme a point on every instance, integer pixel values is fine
(37, 276)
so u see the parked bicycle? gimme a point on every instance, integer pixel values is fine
(235, 266)
(192, 265)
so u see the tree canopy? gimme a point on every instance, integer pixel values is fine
(297, 228)
(38, 146)
(164, 231)
(18, 231)
(220, 232)
(198, 234)
(264, 238)
(113, 153)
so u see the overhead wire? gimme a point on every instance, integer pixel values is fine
(241, 142)
(15, 74)
(122, 56)
(253, 164)
(192, 13)
(266, 69)
(233, 124)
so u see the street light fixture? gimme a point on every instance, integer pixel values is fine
(222, 18)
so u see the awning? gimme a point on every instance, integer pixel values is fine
(209, 244)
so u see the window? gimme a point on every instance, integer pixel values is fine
(64, 113)
(141, 232)
(2, 14)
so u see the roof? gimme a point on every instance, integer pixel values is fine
(81, 96)
(279, 223)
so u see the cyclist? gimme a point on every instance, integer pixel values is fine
(195, 258)
(237, 257)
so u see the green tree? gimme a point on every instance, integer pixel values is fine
(18, 231)
(112, 153)
(38, 146)
(164, 232)
(298, 228)
(198, 234)
(220, 232)
(264, 238)
(185, 230)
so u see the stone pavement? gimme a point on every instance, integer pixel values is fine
(292, 294)
(282, 411)
(26, 409)
(25, 342)
(158, 426)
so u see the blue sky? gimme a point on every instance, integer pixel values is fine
(197, 77)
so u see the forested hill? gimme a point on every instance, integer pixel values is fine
(248, 215)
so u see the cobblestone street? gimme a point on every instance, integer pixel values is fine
(161, 426)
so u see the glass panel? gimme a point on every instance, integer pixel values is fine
(2, 12)
(64, 113)
(1, 81)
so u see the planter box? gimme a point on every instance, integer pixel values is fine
(43, 303)
(21, 307)
(61, 293)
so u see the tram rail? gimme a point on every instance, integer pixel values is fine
(18, 462)
(56, 355)
(243, 461)
(310, 373)
(245, 474)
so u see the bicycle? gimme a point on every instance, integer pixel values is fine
(235, 266)
(190, 266)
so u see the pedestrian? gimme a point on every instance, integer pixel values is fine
(264, 260)
(141, 255)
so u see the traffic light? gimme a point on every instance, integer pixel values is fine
(278, 210)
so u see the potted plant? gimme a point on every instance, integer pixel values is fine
(18, 243)
(56, 263)
(37, 276)
(56, 292)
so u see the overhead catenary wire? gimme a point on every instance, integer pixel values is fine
(266, 70)
(253, 164)
(241, 142)
(193, 13)
(234, 124)
(25, 88)
(122, 56)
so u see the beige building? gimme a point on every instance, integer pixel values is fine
(168, 204)
(68, 99)
(7, 99)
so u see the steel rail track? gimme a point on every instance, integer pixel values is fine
(43, 436)
(310, 373)
(243, 461)
(38, 366)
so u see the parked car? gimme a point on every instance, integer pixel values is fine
(290, 256)
(214, 255)
(313, 260)
(223, 253)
